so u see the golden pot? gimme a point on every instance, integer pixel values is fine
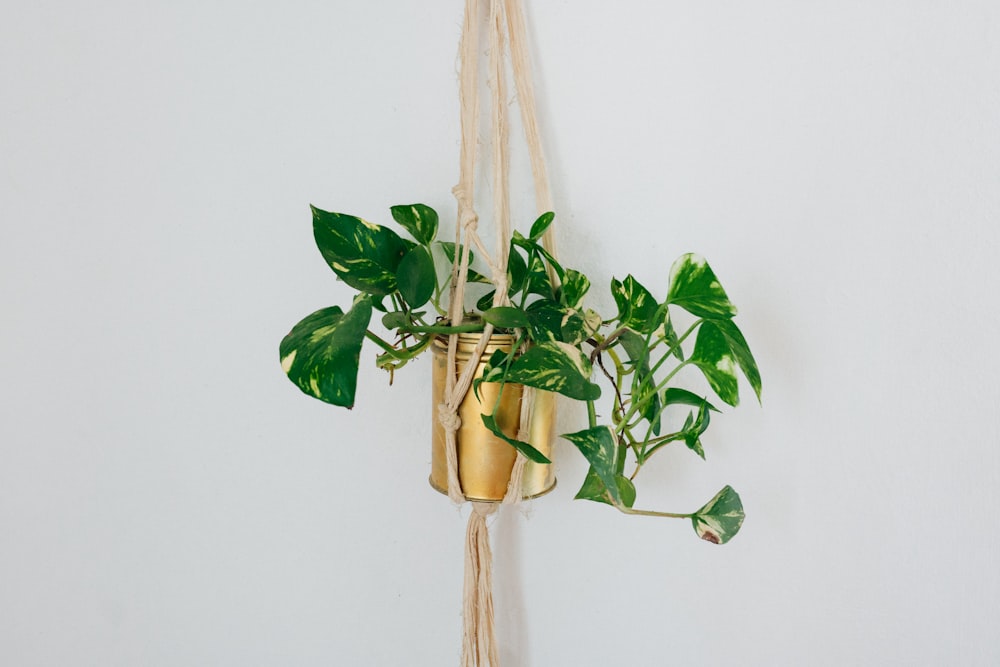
(484, 460)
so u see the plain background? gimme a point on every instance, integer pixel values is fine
(168, 498)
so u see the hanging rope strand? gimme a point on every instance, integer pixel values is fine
(506, 23)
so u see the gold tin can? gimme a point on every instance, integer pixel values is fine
(484, 460)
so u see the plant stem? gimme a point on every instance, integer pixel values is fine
(379, 341)
(472, 327)
(592, 414)
(669, 515)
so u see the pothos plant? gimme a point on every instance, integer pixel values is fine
(561, 345)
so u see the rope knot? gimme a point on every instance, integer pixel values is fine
(501, 284)
(469, 220)
(448, 416)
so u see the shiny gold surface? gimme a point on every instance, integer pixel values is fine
(484, 460)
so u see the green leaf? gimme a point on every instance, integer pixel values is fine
(506, 317)
(720, 519)
(593, 489)
(419, 220)
(540, 225)
(599, 446)
(635, 347)
(667, 332)
(448, 248)
(694, 287)
(578, 326)
(538, 279)
(415, 277)
(517, 271)
(693, 428)
(574, 287)
(741, 352)
(557, 367)
(529, 451)
(485, 302)
(395, 320)
(544, 320)
(322, 352)
(533, 247)
(363, 255)
(678, 396)
(637, 308)
(714, 357)
(493, 371)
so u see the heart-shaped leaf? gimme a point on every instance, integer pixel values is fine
(599, 446)
(557, 367)
(574, 287)
(720, 519)
(517, 271)
(637, 308)
(580, 325)
(506, 317)
(321, 353)
(714, 357)
(544, 320)
(363, 255)
(419, 220)
(741, 352)
(694, 287)
(415, 277)
(593, 489)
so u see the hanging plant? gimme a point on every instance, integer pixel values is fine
(557, 344)
(499, 365)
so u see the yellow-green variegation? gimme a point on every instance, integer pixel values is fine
(321, 353)
(559, 344)
(721, 517)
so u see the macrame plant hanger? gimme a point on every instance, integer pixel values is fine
(506, 25)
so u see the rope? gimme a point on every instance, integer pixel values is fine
(479, 646)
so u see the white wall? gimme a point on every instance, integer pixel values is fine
(168, 498)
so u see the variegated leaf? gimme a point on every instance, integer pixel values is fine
(638, 354)
(545, 320)
(362, 254)
(720, 519)
(573, 288)
(637, 309)
(540, 225)
(538, 281)
(321, 353)
(667, 333)
(715, 359)
(693, 428)
(579, 325)
(741, 352)
(557, 367)
(599, 446)
(694, 287)
(593, 489)
(419, 220)
(493, 371)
